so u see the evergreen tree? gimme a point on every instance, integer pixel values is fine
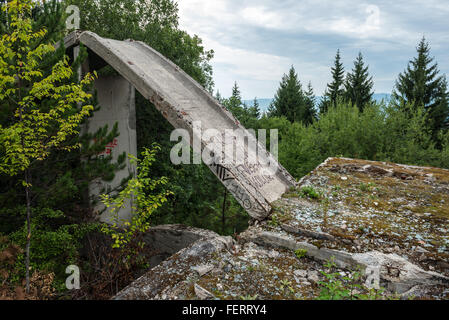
(61, 181)
(255, 110)
(421, 85)
(309, 111)
(235, 101)
(335, 89)
(359, 84)
(289, 99)
(44, 108)
(219, 97)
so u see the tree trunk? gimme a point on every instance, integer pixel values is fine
(27, 250)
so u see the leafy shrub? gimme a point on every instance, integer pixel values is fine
(143, 189)
(337, 287)
(54, 244)
(309, 192)
(300, 253)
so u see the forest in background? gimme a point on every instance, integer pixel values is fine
(411, 129)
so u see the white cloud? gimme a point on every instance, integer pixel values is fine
(256, 41)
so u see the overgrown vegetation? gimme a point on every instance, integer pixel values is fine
(346, 287)
(300, 253)
(46, 166)
(140, 194)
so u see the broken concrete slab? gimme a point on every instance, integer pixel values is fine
(399, 274)
(374, 241)
(184, 103)
(396, 272)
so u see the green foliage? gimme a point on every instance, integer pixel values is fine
(365, 187)
(42, 106)
(54, 245)
(154, 22)
(274, 222)
(141, 193)
(35, 132)
(358, 84)
(291, 101)
(382, 133)
(337, 287)
(300, 253)
(335, 89)
(286, 287)
(310, 192)
(421, 85)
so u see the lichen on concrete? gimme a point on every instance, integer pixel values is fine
(360, 214)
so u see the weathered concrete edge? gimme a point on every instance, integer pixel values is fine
(412, 275)
(151, 284)
(151, 92)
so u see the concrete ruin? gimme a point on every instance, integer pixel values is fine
(388, 222)
(183, 102)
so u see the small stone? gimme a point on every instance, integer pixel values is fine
(203, 269)
(420, 249)
(313, 276)
(300, 273)
(344, 178)
(273, 254)
(422, 257)
(227, 268)
(202, 293)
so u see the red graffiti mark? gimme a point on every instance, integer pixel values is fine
(108, 147)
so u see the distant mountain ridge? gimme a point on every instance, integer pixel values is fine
(264, 103)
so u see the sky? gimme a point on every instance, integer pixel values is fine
(257, 41)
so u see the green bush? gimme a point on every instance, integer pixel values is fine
(54, 243)
(380, 133)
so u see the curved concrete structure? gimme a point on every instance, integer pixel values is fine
(185, 103)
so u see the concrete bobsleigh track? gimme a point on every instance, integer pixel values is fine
(184, 103)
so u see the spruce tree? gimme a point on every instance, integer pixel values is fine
(218, 96)
(289, 100)
(234, 102)
(359, 84)
(309, 114)
(335, 89)
(421, 85)
(236, 98)
(255, 109)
